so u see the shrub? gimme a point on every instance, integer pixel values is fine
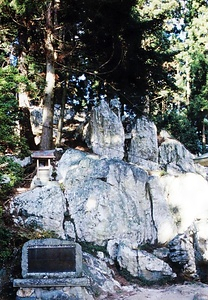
(5, 237)
(14, 174)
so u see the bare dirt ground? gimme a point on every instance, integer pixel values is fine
(196, 291)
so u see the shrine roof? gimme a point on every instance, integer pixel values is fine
(43, 154)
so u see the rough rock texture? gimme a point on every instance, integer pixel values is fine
(144, 265)
(175, 158)
(200, 228)
(65, 293)
(104, 202)
(111, 203)
(182, 254)
(125, 206)
(143, 148)
(171, 152)
(40, 208)
(100, 275)
(105, 134)
(166, 227)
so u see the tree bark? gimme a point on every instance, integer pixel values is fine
(47, 130)
(61, 118)
(25, 127)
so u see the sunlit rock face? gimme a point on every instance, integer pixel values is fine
(187, 198)
(143, 148)
(107, 199)
(41, 208)
(174, 158)
(104, 133)
(162, 215)
(112, 203)
(173, 153)
(144, 265)
(158, 200)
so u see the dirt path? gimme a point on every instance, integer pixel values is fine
(175, 292)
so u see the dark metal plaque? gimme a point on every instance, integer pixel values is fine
(51, 259)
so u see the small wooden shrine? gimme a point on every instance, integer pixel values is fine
(44, 160)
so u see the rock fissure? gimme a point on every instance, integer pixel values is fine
(127, 205)
(149, 198)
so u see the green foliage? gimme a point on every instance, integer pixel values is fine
(124, 56)
(26, 7)
(180, 127)
(198, 108)
(9, 112)
(199, 71)
(9, 79)
(192, 63)
(5, 237)
(13, 173)
(11, 238)
(124, 48)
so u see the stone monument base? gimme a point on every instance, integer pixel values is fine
(64, 293)
(52, 288)
(52, 269)
(50, 282)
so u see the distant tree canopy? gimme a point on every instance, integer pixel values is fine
(190, 102)
(108, 41)
(112, 48)
(146, 53)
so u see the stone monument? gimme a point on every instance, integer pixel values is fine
(50, 265)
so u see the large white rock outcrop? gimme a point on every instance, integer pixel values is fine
(40, 208)
(166, 226)
(104, 133)
(174, 158)
(114, 203)
(144, 265)
(187, 198)
(107, 199)
(111, 203)
(143, 148)
(159, 199)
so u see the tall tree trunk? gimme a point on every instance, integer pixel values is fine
(47, 131)
(188, 82)
(25, 127)
(61, 118)
(203, 137)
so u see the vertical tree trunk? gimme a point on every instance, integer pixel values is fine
(47, 131)
(25, 127)
(61, 118)
(203, 137)
(188, 82)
